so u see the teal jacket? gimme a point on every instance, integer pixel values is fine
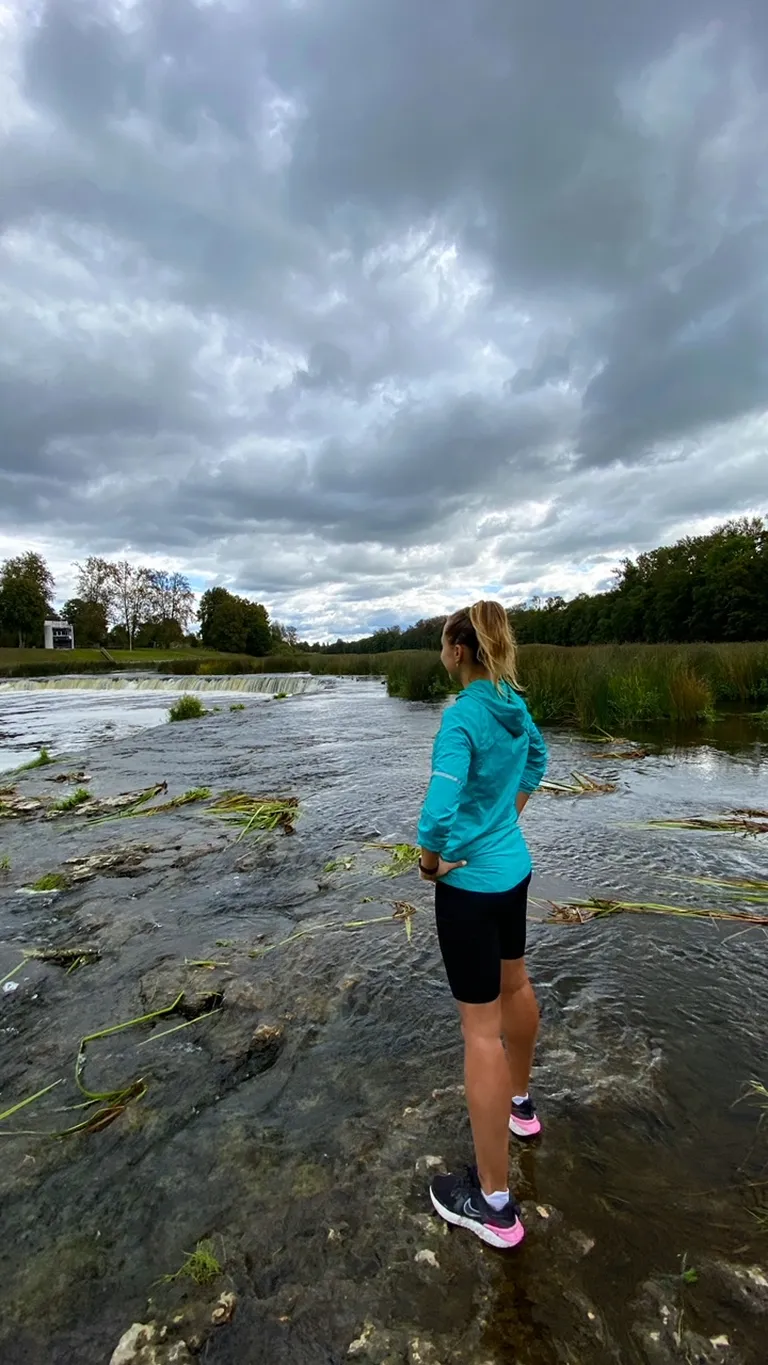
(486, 751)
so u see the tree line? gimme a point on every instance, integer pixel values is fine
(711, 588)
(703, 588)
(127, 606)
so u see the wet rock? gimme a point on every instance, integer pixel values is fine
(421, 1351)
(744, 1287)
(243, 995)
(202, 989)
(266, 1045)
(115, 862)
(429, 1165)
(247, 1051)
(148, 1344)
(665, 1337)
(309, 1180)
(377, 1346)
(429, 1225)
(223, 1309)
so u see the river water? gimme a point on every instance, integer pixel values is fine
(295, 1126)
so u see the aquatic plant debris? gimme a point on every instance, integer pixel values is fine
(111, 1103)
(201, 1265)
(403, 912)
(50, 881)
(342, 864)
(80, 797)
(71, 958)
(582, 785)
(750, 890)
(262, 813)
(43, 760)
(581, 911)
(404, 857)
(731, 822)
(81, 803)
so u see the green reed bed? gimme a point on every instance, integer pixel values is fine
(601, 687)
(606, 686)
(417, 676)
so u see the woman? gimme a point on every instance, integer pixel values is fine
(488, 758)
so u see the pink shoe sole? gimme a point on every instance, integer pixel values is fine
(524, 1128)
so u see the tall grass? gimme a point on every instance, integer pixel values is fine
(610, 686)
(615, 685)
(417, 676)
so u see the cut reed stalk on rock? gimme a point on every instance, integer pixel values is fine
(404, 857)
(582, 785)
(263, 813)
(731, 822)
(111, 1103)
(581, 911)
(742, 889)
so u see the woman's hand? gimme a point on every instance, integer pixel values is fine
(441, 870)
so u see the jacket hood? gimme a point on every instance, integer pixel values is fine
(503, 702)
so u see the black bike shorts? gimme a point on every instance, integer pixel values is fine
(477, 931)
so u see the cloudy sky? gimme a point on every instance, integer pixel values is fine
(367, 307)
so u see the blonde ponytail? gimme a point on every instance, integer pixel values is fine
(485, 630)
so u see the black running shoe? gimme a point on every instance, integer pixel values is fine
(459, 1200)
(524, 1122)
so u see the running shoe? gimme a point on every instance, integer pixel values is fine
(459, 1200)
(523, 1120)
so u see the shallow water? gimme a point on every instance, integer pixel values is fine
(67, 713)
(299, 1155)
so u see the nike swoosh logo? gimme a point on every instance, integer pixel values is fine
(470, 1209)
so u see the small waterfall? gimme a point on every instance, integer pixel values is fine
(266, 684)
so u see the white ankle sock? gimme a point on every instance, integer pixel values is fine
(498, 1200)
(520, 1099)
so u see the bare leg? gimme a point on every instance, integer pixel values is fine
(519, 1023)
(488, 1090)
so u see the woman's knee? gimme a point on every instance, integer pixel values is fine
(481, 1023)
(514, 976)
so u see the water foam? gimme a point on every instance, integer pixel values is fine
(265, 684)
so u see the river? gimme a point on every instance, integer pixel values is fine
(294, 1127)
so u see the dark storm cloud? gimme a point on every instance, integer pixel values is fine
(351, 277)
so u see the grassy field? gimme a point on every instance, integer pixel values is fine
(27, 663)
(601, 685)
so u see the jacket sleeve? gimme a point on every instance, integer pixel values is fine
(450, 765)
(536, 764)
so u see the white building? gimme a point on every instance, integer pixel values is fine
(59, 635)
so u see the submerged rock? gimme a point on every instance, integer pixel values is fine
(115, 862)
(148, 1344)
(744, 1287)
(665, 1336)
(421, 1351)
(201, 988)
